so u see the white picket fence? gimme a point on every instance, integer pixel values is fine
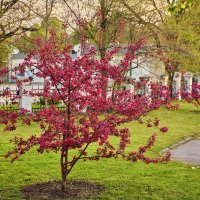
(25, 101)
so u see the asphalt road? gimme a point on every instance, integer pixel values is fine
(188, 152)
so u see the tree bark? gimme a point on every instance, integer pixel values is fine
(65, 150)
(63, 165)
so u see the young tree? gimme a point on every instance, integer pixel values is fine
(89, 117)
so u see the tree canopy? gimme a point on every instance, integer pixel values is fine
(182, 34)
(26, 42)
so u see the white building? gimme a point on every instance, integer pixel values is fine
(141, 67)
(14, 61)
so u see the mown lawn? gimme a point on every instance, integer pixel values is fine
(121, 179)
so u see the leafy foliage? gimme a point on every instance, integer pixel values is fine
(183, 36)
(180, 6)
(5, 49)
(26, 42)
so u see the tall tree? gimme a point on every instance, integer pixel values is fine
(49, 4)
(182, 30)
(101, 26)
(15, 17)
(5, 49)
(170, 25)
(26, 42)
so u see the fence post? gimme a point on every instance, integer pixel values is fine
(146, 82)
(129, 83)
(177, 85)
(164, 83)
(164, 80)
(188, 82)
(131, 87)
(26, 99)
(197, 78)
(148, 87)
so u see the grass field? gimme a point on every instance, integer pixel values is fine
(121, 179)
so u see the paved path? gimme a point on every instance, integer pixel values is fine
(188, 152)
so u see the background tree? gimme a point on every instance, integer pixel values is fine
(101, 27)
(5, 49)
(26, 42)
(145, 17)
(187, 39)
(179, 7)
(15, 17)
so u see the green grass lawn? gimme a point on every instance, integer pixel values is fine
(121, 179)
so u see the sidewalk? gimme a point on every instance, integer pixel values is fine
(188, 152)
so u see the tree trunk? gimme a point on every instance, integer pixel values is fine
(198, 102)
(63, 165)
(46, 35)
(63, 183)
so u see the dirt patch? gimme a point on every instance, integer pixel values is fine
(51, 190)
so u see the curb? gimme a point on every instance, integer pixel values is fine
(178, 144)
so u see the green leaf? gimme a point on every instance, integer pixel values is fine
(10, 48)
(183, 6)
(190, 4)
(190, 1)
(178, 9)
(171, 9)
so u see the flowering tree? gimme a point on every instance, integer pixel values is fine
(89, 116)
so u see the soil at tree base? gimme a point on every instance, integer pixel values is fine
(76, 189)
